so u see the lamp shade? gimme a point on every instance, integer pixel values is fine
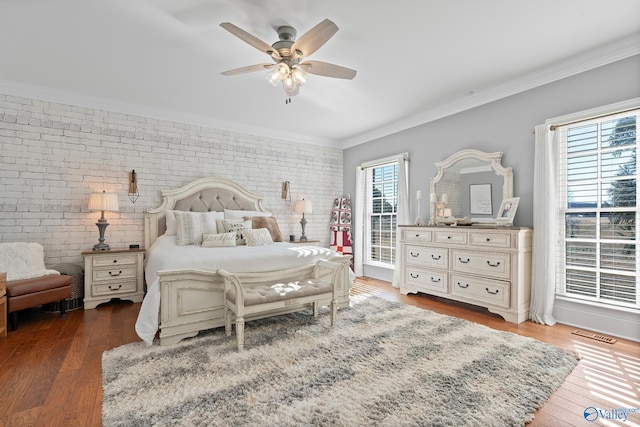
(103, 202)
(303, 206)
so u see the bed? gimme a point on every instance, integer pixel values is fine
(185, 294)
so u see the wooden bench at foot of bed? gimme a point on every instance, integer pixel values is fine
(251, 296)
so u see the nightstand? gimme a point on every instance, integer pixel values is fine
(117, 273)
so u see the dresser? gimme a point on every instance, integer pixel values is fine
(117, 273)
(485, 266)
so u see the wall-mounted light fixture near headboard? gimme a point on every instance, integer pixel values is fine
(133, 187)
(286, 193)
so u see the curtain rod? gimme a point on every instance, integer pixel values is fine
(553, 127)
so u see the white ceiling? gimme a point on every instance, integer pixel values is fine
(417, 60)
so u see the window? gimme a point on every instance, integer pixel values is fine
(381, 213)
(599, 211)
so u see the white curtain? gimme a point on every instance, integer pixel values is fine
(403, 215)
(545, 227)
(358, 232)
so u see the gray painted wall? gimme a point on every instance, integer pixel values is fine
(505, 125)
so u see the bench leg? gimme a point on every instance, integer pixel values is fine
(14, 320)
(240, 332)
(334, 311)
(315, 309)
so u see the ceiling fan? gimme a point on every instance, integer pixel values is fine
(288, 54)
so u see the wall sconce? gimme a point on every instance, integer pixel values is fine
(286, 193)
(133, 187)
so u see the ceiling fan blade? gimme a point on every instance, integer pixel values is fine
(250, 39)
(328, 70)
(247, 69)
(313, 39)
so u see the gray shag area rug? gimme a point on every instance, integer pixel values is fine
(383, 364)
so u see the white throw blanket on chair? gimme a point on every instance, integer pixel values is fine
(23, 261)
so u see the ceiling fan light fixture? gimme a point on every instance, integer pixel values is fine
(299, 75)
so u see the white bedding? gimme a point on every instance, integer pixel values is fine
(164, 254)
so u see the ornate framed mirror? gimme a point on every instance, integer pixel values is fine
(455, 187)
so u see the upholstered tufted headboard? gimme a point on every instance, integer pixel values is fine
(202, 195)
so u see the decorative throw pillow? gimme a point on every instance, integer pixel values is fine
(210, 240)
(190, 226)
(258, 237)
(269, 223)
(170, 221)
(237, 226)
(238, 214)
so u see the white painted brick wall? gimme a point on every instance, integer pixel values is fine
(53, 156)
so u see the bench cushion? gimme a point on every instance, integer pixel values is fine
(17, 288)
(265, 293)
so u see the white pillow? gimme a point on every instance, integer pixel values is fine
(170, 220)
(218, 240)
(190, 226)
(238, 226)
(235, 214)
(258, 237)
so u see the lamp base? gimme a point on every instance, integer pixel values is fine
(101, 245)
(419, 221)
(303, 223)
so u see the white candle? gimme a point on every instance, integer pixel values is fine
(445, 198)
(447, 212)
(419, 195)
(433, 197)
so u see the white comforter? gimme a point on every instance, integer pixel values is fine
(164, 254)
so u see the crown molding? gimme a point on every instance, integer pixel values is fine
(622, 49)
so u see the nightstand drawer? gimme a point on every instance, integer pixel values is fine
(116, 272)
(114, 288)
(113, 260)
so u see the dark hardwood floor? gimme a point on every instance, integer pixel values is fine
(50, 368)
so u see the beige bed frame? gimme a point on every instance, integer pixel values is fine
(193, 300)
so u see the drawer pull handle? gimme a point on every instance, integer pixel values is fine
(436, 258)
(415, 255)
(417, 235)
(434, 280)
(463, 287)
(488, 239)
(115, 260)
(448, 237)
(493, 293)
(112, 274)
(116, 289)
(493, 265)
(464, 261)
(414, 276)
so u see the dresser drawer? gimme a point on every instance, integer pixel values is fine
(450, 237)
(428, 280)
(114, 288)
(494, 292)
(416, 236)
(495, 240)
(115, 259)
(115, 272)
(493, 264)
(426, 256)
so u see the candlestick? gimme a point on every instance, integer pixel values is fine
(433, 197)
(419, 195)
(445, 198)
